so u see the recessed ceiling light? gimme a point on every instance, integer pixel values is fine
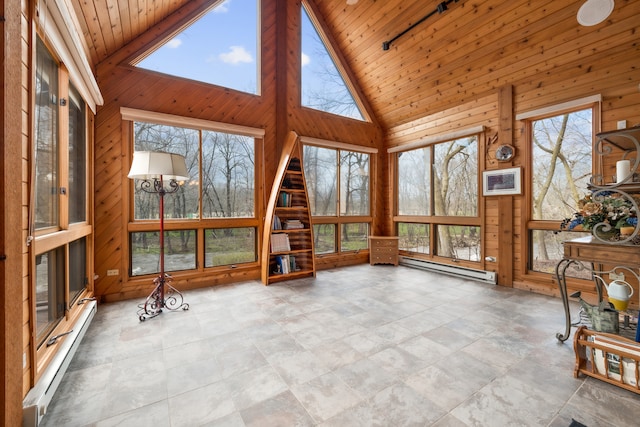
(352, 2)
(593, 12)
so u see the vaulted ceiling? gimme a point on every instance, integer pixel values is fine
(465, 52)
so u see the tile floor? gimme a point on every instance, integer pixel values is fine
(358, 346)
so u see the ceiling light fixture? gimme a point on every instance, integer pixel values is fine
(441, 8)
(593, 12)
(352, 2)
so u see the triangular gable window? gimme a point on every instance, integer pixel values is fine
(323, 87)
(219, 48)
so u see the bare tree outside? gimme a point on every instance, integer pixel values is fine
(323, 88)
(326, 170)
(354, 183)
(228, 165)
(170, 139)
(440, 180)
(414, 182)
(320, 170)
(455, 184)
(225, 190)
(562, 167)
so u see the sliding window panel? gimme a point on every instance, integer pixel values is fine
(179, 251)
(354, 237)
(50, 305)
(77, 268)
(229, 246)
(413, 237)
(460, 242)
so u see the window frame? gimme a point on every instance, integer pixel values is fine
(531, 225)
(311, 11)
(339, 220)
(432, 222)
(200, 224)
(59, 237)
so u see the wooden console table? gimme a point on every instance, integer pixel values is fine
(586, 250)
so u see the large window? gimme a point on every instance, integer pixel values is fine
(437, 199)
(217, 202)
(338, 184)
(77, 158)
(46, 140)
(561, 168)
(221, 47)
(323, 87)
(59, 216)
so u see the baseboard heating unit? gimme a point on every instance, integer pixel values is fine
(454, 270)
(34, 406)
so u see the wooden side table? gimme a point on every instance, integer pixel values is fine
(383, 250)
(601, 259)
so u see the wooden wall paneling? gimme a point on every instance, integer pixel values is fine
(442, 62)
(505, 203)
(86, 12)
(126, 17)
(13, 341)
(377, 23)
(561, 91)
(621, 107)
(109, 170)
(424, 40)
(125, 85)
(282, 91)
(504, 69)
(440, 38)
(572, 81)
(478, 111)
(150, 32)
(447, 75)
(505, 239)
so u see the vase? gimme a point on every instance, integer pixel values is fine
(627, 230)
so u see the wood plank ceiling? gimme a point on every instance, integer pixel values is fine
(469, 51)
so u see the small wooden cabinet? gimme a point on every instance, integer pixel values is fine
(383, 250)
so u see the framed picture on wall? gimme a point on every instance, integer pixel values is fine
(502, 181)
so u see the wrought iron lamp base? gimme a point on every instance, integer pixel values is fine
(164, 296)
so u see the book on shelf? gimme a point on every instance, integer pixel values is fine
(284, 199)
(280, 242)
(283, 264)
(292, 224)
(277, 224)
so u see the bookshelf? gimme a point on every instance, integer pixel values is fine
(287, 249)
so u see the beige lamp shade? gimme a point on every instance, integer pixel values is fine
(153, 164)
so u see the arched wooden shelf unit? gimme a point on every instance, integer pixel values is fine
(287, 243)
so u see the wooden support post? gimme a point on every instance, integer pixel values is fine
(505, 203)
(13, 217)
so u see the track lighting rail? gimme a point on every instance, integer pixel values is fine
(441, 8)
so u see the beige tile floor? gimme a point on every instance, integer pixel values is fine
(358, 346)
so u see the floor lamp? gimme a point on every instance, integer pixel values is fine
(155, 169)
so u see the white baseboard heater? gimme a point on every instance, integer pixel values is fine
(454, 270)
(34, 405)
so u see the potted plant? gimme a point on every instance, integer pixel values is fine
(605, 213)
